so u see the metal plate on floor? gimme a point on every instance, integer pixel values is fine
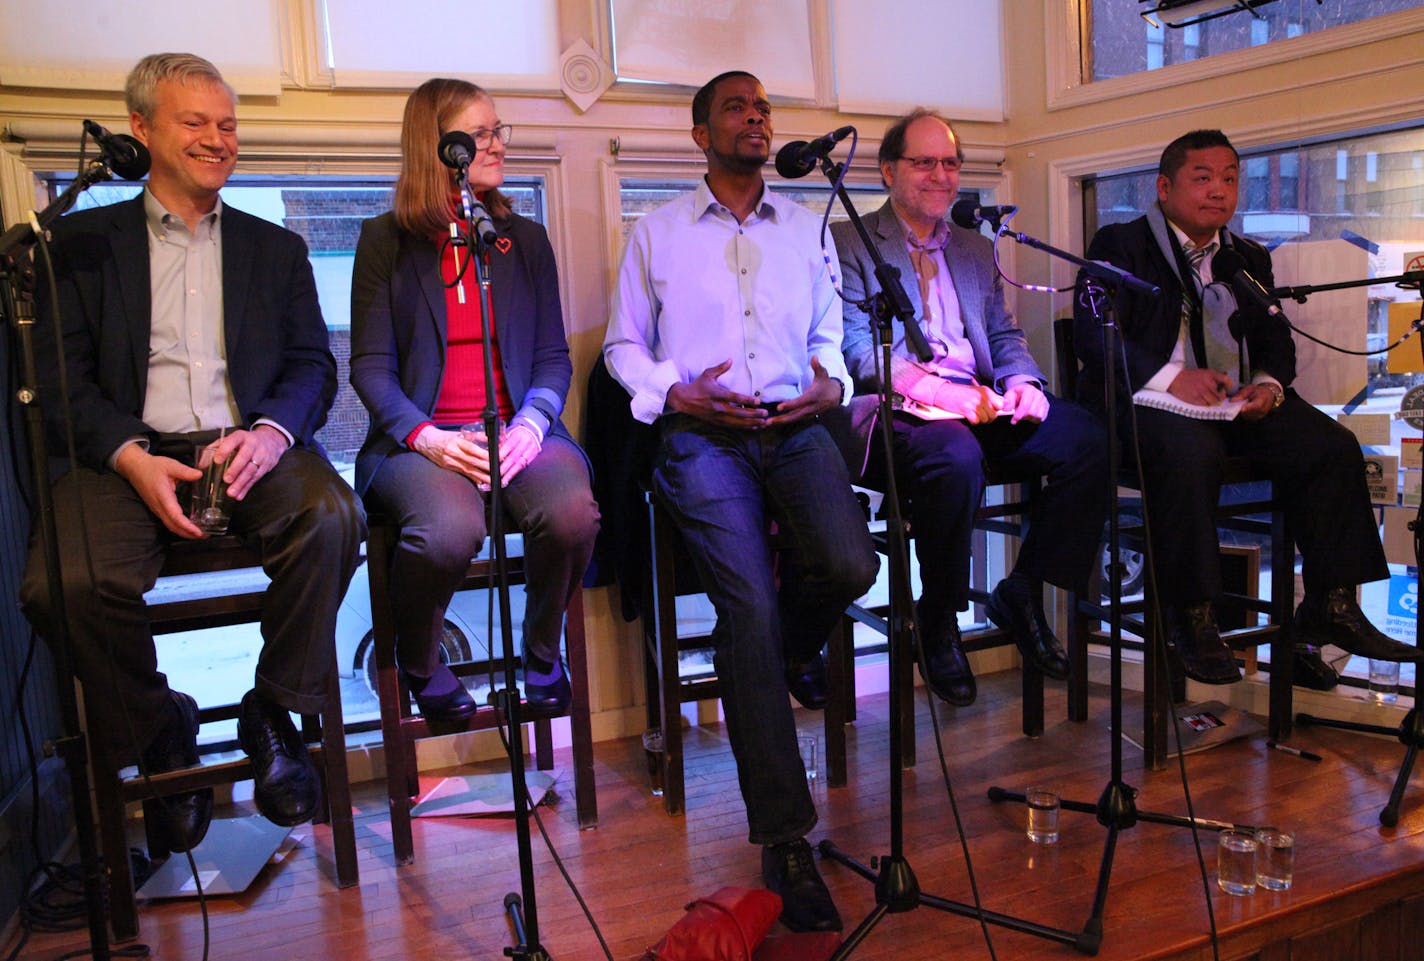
(481, 794)
(229, 860)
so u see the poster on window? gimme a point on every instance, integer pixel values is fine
(1403, 610)
(1382, 478)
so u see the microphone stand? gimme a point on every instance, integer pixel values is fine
(896, 888)
(1410, 731)
(1116, 807)
(17, 280)
(521, 906)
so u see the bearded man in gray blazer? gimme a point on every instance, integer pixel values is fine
(980, 401)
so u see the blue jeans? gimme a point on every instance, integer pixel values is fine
(724, 488)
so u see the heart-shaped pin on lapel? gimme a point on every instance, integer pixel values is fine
(502, 244)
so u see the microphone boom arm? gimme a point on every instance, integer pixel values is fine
(1299, 294)
(1112, 276)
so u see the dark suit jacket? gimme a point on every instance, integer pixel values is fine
(278, 357)
(1150, 326)
(398, 329)
(999, 345)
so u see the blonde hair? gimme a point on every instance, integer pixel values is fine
(143, 79)
(422, 195)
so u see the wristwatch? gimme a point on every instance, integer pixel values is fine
(1276, 392)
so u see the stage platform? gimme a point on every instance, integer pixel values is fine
(1358, 893)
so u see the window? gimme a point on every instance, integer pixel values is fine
(1119, 45)
(216, 665)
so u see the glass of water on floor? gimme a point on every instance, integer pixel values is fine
(1043, 805)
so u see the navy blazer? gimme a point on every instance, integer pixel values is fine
(399, 333)
(1151, 326)
(279, 359)
(1000, 347)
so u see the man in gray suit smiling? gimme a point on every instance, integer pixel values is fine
(978, 401)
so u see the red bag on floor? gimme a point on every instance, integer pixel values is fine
(731, 925)
(727, 926)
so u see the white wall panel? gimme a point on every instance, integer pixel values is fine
(497, 43)
(674, 41)
(892, 55)
(72, 45)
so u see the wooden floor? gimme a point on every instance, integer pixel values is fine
(640, 866)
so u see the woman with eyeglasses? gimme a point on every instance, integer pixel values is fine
(417, 362)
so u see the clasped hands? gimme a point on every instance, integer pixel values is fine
(708, 400)
(519, 444)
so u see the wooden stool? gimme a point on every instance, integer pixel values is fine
(400, 729)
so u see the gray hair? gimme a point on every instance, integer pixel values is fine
(143, 80)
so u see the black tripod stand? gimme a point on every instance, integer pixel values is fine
(1410, 731)
(17, 278)
(522, 906)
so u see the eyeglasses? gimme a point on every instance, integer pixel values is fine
(925, 164)
(483, 138)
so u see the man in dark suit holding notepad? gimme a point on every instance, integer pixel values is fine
(1197, 346)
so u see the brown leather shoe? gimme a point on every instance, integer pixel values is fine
(1019, 613)
(1333, 617)
(1311, 671)
(946, 669)
(807, 682)
(789, 870)
(1192, 629)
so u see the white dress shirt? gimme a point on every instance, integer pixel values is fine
(697, 288)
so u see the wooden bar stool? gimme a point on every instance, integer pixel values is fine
(400, 729)
(114, 789)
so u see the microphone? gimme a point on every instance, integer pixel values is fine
(483, 226)
(968, 214)
(125, 155)
(1228, 264)
(798, 158)
(457, 149)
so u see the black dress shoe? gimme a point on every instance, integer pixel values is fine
(1019, 613)
(806, 680)
(1334, 618)
(1205, 657)
(789, 870)
(548, 700)
(285, 784)
(442, 697)
(949, 677)
(177, 822)
(1310, 670)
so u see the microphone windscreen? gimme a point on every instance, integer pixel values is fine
(135, 165)
(791, 161)
(1227, 263)
(453, 145)
(965, 213)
